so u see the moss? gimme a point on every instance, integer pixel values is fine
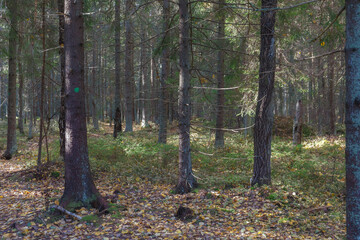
(90, 218)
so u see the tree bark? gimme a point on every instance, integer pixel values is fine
(42, 87)
(94, 96)
(129, 66)
(79, 189)
(219, 134)
(297, 128)
(117, 119)
(264, 109)
(331, 79)
(62, 116)
(164, 73)
(11, 145)
(186, 179)
(352, 152)
(21, 84)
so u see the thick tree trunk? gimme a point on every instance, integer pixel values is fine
(117, 119)
(129, 66)
(186, 179)
(297, 128)
(164, 73)
(264, 109)
(11, 146)
(219, 134)
(352, 152)
(62, 77)
(80, 189)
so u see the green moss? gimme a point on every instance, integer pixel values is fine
(90, 218)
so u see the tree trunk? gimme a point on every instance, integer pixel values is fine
(164, 73)
(352, 152)
(264, 108)
(117, 119)
(186, 179)
(11, 146)
(94, 96)
(219, 134)
(144, 82)
(331, 79)
(21, 83)
(62, 116)
(129, 66)
(42, 87)
(297, 128)
(79, 189)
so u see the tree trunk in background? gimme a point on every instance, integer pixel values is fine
(319, 98)
(352, 152)
(31, 92)
(219, 134)
(11, 146)
(21, 83)
(164, 73)
(144, 82)
(62, 116)
(264, 108)
(117, 119)
(129, 66)
(94, 96)
(331, 79)
(79, 186)
(186, 179)
(42, 86)
(297, 128)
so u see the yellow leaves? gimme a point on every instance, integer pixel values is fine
(57, 202)
(1, 197)
(322, 43)
(342, 180)
(62, 45)
(203, 80)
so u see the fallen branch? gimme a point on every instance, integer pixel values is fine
(63, 210)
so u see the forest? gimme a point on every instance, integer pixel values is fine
(159, 119)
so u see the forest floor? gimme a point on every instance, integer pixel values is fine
(306, 200)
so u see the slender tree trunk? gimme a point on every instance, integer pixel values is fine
(42, 87)
(31, 94)
(94, 96)
(331, 79)
(144, 82)
(186, 179)
(117, 119)
(164, 73)
(352, 152)
(219, 134)
(297, 129)
(264, 109)
(129, 66)
(79, 189)
(11, 146)
(62, 116)
(21, 83)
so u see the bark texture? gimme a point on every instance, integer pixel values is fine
(80, 189)
(129, 67)
(186, 179)
(219, 134)
(11, 145)
(352, 119)
(264, 108)
(117, 119)
(62, 76)
(297, 128)
(164, 73)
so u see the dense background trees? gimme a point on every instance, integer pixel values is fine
(226, 69)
